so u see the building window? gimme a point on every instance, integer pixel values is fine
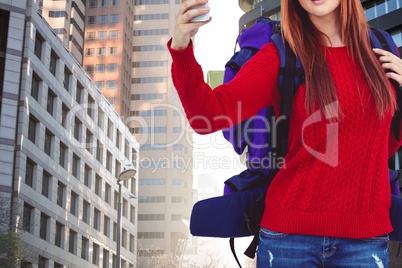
(102, 19)
(64, 113)
(109, 159)
(151, 217)
(49, 137)
(95, 254)
(59, 236)
(100, 68)
(51, 100)
(38, 45)
(105, 258)
(99, 152)
(116, 199)
(77, 129)
(46, 184)
(44, 226)
(74, 204)
(98, 185)
(43, 262)
(32, 127)
(113, 34)
(151, 32)
(63, 155)
(117, 170)
(108, 193)
(101, 115)
(102, 51)
(102, 35)
(53, 63)
(114, 18)
(124, 238)
(125, 208)
(79, 92)
(89, 135)
(58, 265)
(66, 78)
(91, 19)
(76, 166)
(148, 80)
(72, 243)
(86, 212)
(57, 14)
(61, 193)
(151, 235)
(115, 3)
(177, 199)
(90, 52)
(97, 219)
(100, 84)
(35, 87)
(93, 3)
(112, 50)
(111, 67)
(131, 246)
(103, 3)
(27, 217)
(106, 226)
(151, 199)
(89, 69)
(87, 176)
(91, 36)
(111, 84)
(84, 248)
(114, 261)
(132, 214)
(30, 172)
(114, 231)
(176, 217)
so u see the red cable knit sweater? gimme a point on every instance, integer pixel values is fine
(335, 178)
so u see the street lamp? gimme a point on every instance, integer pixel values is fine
(123, 176)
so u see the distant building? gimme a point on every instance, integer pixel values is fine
(67, 20)
(158, 122)
(108, 49)
(62, 147)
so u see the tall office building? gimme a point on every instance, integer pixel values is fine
(67, 21)
(158, 123)
(63, 147)
(107, 49)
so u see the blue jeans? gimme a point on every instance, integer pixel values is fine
(288, 251)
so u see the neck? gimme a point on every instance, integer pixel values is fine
(331, 27)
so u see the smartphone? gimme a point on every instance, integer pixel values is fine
(203, 17)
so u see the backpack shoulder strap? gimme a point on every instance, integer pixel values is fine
(382, 39)
(291, 76)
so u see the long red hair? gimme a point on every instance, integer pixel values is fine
(305, 40)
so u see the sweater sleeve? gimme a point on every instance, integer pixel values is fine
(253, 88)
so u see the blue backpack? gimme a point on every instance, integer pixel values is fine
(238, 212)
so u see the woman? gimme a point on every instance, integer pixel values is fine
(329, 204)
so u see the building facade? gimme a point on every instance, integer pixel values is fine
(63, 147)
(67, 21)
(107, 46)
(158, 123)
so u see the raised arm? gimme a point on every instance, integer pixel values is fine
(207, 110)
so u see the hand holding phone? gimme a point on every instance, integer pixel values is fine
(203, 17)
